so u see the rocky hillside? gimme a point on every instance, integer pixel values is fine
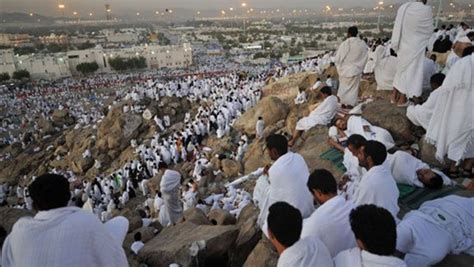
(217, 238)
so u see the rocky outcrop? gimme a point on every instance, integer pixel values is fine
(271, 109)
(287, 88)
(249, 235)
(196, 216)
(383, 114)
(192, 245)
(263, 255)
(313, 146)
(221, 217)
(62, 118)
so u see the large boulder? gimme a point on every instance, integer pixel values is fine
(255, 157)
(231, 168)
(196, 216)
(221, 217)
(313, 146)
(249, 235)
(287, 87)
(383, 114)
(62, 117)
(147, 234)
(271, 109)
(117, 129)
(263, 255)
(134, 219)
(187, 244)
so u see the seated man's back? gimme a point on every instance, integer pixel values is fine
(59, 235)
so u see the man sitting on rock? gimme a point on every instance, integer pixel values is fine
(437, 228)
(322, 115)
(330, 222)
(287, 177)
(377, 186)
(376, 236)
(62, 236)
(284, 230)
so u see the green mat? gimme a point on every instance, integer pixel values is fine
(412, 197)
(335, 157)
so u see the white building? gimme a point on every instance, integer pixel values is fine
(7, 61)
(60, 65)
(47, 67)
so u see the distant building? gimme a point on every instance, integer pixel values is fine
(47, 67)
(54, 39)
(15, 40)
(7, 61)
(54, 66)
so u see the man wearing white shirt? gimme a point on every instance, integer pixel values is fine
(376, 236)
(351, 57)
(284, 230)
(330, 222)
(59, 235)
(377, 186)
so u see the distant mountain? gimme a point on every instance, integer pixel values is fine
(17, 17)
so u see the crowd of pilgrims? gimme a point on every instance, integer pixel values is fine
(356, 221)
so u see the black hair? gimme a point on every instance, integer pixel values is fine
(356, 140)
(376, 228)
(436, 182)
(437, 78)
(49, 191)
(353, 31)
(468, 51)
(285, 222)
(162, 165)
(326, 90)
(278, 142)
(322, 180)
(137, 236)
(376, 150)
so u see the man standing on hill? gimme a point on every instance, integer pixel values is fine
(351, 57)
(411, 33)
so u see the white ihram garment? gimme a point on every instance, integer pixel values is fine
(411, 33)
(350, 61)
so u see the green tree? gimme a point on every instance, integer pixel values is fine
(24, 50)
(21, 74)
(87, 67)
(55, 48)
(85, 45)
(4, 76)
(118, 63)
(121, 64)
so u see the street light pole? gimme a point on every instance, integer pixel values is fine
(438, 14)
(243, 14)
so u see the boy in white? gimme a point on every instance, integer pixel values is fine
(376, 236)
(330, 222)
(284, 230)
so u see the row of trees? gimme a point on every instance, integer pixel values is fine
(122, 64)
(17, 75)
(87, 67)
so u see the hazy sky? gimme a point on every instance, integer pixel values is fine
(49, 7)
(120, 7)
